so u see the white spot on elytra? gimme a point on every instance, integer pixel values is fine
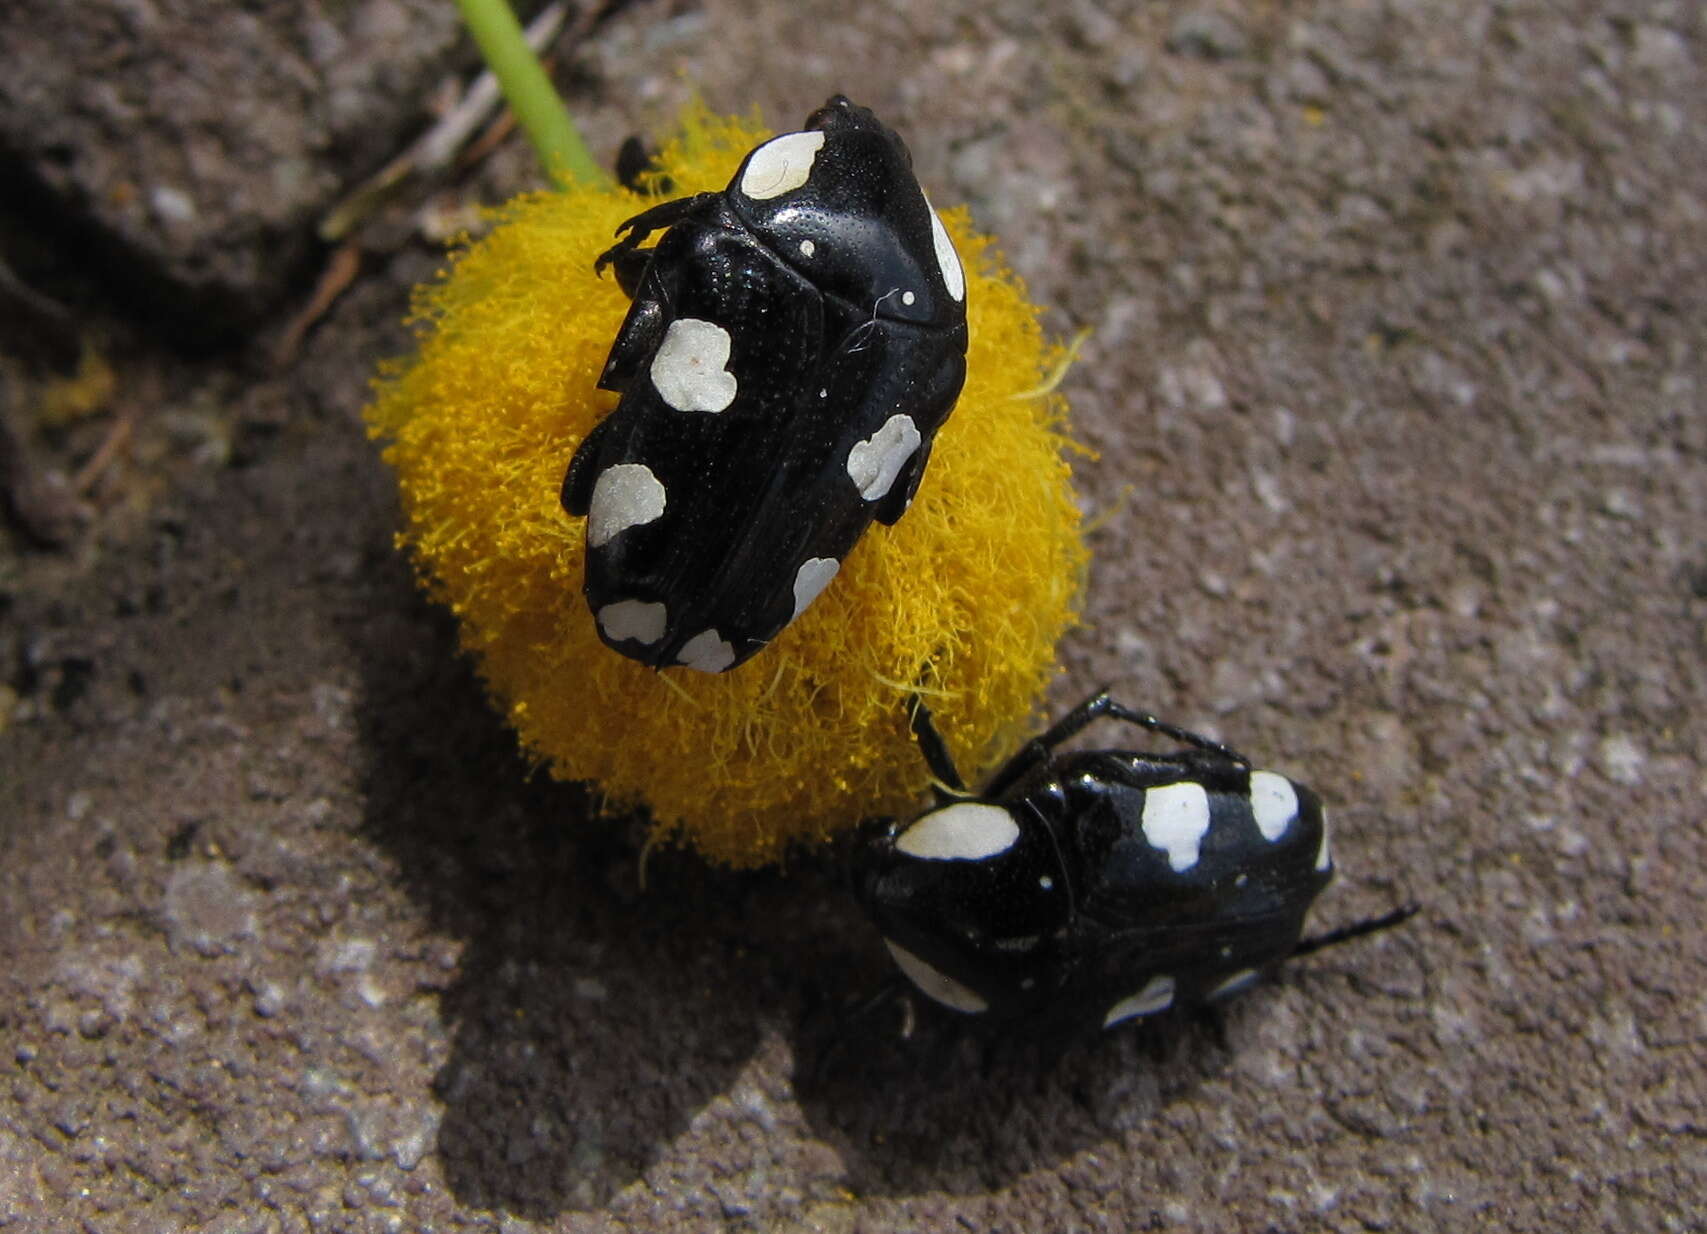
(781, 165)
(874, 463)
(625, 495)
(953, 276)
(640, 620)
(908, 297)
(964, 831)
(810, 580)
(1324, 858)
(1274, 803)
(1047, 883)
(707, 652)
(691, 366)
(1157, 995)
(807, 248)
(1238, 981)
(935, 984)
(1176, 816)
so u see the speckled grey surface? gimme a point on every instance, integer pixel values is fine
(1396, 388)
(192, 147)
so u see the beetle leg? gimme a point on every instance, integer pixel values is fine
(632, 234)
(637, 341)
(1035, 752)
(932, 746)
(634, 160)
(577, 494)
(1101, 704)
(899, 499)
(630, 266)
(935, 402)
(1144, 719)
(1077, 720)
(1032, 754)
(1357, 929)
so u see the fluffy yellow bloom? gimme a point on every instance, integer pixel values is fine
(965, 597)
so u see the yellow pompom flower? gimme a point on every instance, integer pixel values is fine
(964, 599)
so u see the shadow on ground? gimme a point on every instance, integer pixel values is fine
(942, 1109)
(591, 1020)
(588, 1021)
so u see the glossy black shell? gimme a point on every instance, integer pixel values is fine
(1082, 921)
(793, 345)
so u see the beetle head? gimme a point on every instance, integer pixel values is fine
(839, 203)
(969, 897)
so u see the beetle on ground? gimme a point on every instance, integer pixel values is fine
(1095, 887)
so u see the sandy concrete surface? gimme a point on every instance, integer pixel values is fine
(1396, 388)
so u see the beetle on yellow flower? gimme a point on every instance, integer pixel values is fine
(963, 599)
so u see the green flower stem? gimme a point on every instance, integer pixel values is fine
(529, 92)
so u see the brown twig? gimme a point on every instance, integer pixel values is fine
(435, 149)
(491, 137)
(117, 437)
(339, 272)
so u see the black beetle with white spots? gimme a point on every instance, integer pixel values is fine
(794, 344)
(1094, 887)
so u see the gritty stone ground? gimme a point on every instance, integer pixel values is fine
(1396, 388)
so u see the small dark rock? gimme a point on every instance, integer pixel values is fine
(1207, 35)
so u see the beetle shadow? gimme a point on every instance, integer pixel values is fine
(588, 1020)
(922, 1101)
(914, 1101)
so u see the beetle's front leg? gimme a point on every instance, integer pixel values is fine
(637, 230)
(1184, 736)
(932, 746)
(1035, 752)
